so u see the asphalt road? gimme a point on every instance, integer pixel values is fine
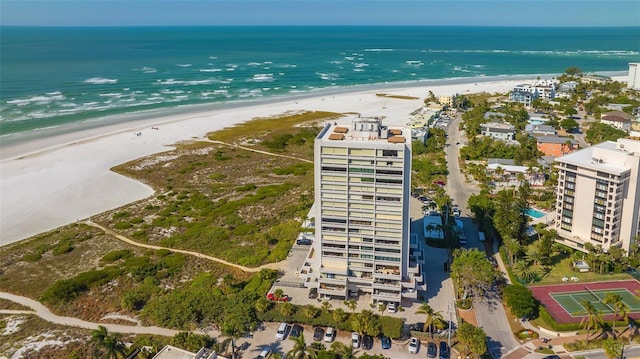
(489, 311)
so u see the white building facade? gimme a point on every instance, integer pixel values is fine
(633, 81)
(598, 195)
(362, 189)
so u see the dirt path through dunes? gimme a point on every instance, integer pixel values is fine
(44, 313)
(279, 265)
(258, 151)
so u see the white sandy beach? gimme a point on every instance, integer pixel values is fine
(50, 182)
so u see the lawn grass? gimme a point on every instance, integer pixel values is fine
(563, 269)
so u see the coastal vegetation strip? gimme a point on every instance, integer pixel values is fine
(398, 97)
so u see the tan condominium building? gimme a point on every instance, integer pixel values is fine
(362, 187)
(598, 195)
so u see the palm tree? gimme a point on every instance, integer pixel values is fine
(592, 318)
(343, 350)
(310, 311)
(278, 294)
(262, 305)
(612, 348)
(615, 302)
(381, 307)
(233, 329)
(107, 345)
(365, 323)
(433, 318)
(524, 271)
(326, 306)
(300, 349)
(287, 309)
(339, 315)
(351, 304)
(512, 247)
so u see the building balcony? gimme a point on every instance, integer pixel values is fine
(380, 296)
(386, 285)
(332, 281)
(333, 270)
(332, 291)
(394, 275)
(410, 293)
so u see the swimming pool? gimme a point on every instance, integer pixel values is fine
(534, 213)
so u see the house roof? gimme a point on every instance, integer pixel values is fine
(615, 119)
(618, 114)
(556, 139)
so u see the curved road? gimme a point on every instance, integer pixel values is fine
(490, 313)
(44, 313)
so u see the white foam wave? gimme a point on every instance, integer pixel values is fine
(100, 81)
(349, 58)
(210, 70)
(378, 50)
(414, 62)
(262, 78)
(328, 76)
(38, 100)
(360, 64)
(169, 82)
(358, 70)
(184, 65)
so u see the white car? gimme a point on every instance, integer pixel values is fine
(414, 344)
(355, 340)
(392, 308)
(282, 331)
(265, 354)
(329, 335)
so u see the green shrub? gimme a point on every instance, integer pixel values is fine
(62, 248)
(246, 187)
(136, 220)
(116, 255)
(552, 324)
(297, 169)
(32, 257)
(63, 291)
(120, 215)
(162, 252)
(123, 225)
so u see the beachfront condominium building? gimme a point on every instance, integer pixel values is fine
(362, 186)
(633, 81)
(598, 195)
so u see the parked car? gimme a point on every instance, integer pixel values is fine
(285, 298)
(265, 354)
(367, 342)
(318, 334)
(304, 242)
(444, 350)
(281, 333)
(414, 345)
(385, 342)
(392, 308)
(313, 293)
(329, 335)
(296, 330)
(355, 340)
(432, 350)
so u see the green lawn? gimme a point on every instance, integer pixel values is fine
(563, 269)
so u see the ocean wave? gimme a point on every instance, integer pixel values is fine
(414, 62)
(184, 65)
(357, 69)
(170, 82)
(100, 81)
(111, 94)
(210, 70)
(38, 100)
(349, 58)
(542, 52)
(360, 64)
(379, 50)
(146, 70)
(262, 78)
(243, 93)
(328, 76)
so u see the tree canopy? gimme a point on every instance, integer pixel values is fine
(520, 300)
(600, 132)
(472, 271)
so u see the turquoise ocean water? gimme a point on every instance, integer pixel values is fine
(52, 78)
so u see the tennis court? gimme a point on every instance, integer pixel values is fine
(563, 302)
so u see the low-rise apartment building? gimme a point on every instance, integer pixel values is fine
(498, 131)
(556, 146)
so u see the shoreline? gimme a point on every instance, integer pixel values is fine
(55, 181)
(13, 145)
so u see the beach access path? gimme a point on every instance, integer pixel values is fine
(51, 182)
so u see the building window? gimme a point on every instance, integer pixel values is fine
(390, 153)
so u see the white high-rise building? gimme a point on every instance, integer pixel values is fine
(362, 188)
(598, 195)
(633, 81)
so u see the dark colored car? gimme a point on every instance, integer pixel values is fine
(304, 242)
(385, 342)
(296, 330)
(367, 342)
(432, 350)
(444, 350)
(318, 334)
(313, 293)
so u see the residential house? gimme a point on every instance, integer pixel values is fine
(171, 352)
(491, 115)
(498, 131)
(556, 146)
(524, 94)
(566, 89)
(540, 130)
(618, 119)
